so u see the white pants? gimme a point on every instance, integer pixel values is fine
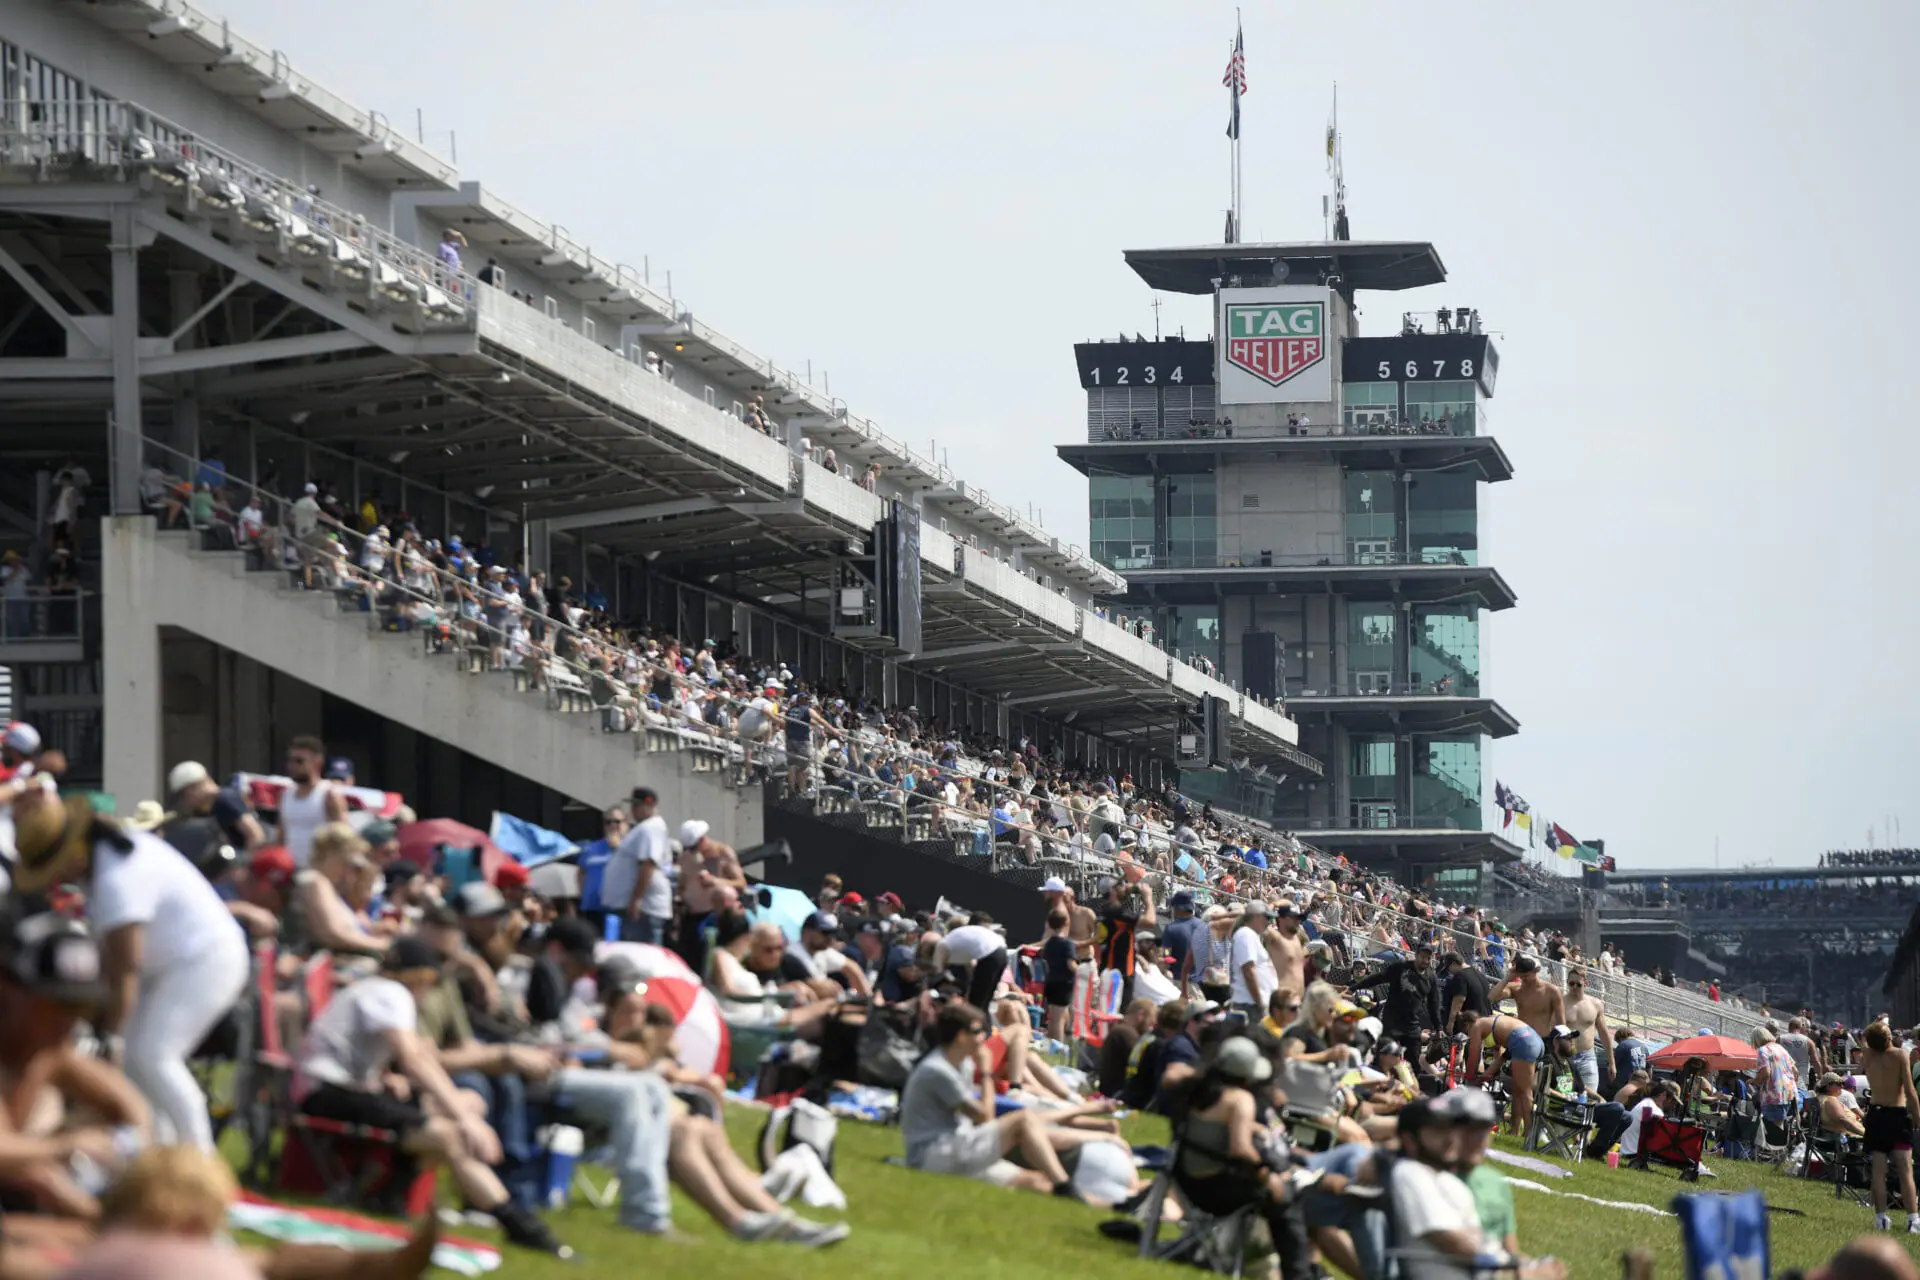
(176, 1009)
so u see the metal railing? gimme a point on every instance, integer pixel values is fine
(1633, 1000)
(1162, 558)
(1451, 425)
(42, 613)
(1369, 686)
(79, 137)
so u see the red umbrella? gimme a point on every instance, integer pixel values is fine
(419, 839)
(1723, 1053)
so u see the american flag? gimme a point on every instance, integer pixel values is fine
(1236, 80)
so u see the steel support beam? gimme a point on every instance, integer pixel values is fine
(628, 514)
(124, 249)
(297, 290)
(76, 335)
(967, 651)
(306, 344)
(1062, 695)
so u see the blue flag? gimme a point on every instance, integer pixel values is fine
(527, 844)
(1725, 1235)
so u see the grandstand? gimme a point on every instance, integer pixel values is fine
(214, 271)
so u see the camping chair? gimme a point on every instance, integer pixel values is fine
(1679, 1143)
(1217, 1242)
(749, 1041)
(1312, 1113)
(1562, 1124)
(1773, 1140)
(320, 1157)
(1841, 1160)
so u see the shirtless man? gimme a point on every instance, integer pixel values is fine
(1080, 927)
(1539, 1003)
(1520, 1045)
(1587, 1015)
(1286, 945)
(1890, 1121)
(706, 866)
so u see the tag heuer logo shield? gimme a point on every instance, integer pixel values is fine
(1276, 341)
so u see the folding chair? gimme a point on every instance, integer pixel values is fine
(339, 1162)
(1562, 1124)
(1217, 1242)
(1312, 1113)
(1679, 1143)
(1837, 1158)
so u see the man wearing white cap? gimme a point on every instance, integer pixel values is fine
(21, 767)
(705, 865)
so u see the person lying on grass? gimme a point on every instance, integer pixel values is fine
(948, 1128)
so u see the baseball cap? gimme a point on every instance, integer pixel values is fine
(1417, 1115)
(822, 922)
(1053, 884)
(1348, 1009)
(400, 870)
(274, 864)
(480, 899)
(1423, 945)
(1203, 1009)
(379, 831)
(1255, 907)
(852, 899)
(1829, 1079)
(1181, 901)
(409, 952)
(1526, 964)
(1239, 1058)
(510, 875)
(339, 767)
(1285, 908)
(1466, 1106)
(56, 958)
(693, 831)
(21, 738)
(892, 899)
(901, 958)
(187, 773)
(1561, 1031)
(574, 936)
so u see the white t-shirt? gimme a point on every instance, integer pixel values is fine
(647, 842)
(1425, 1200)
(825, 962)
(971, 942)
(154, 885)
(1630, 1140)
(1247, 947)
(347, 1044)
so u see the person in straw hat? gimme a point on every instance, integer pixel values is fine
(174, 963)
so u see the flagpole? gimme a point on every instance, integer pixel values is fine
(1239, 234)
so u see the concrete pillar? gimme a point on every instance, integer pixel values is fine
(130, 658)
(125, 328)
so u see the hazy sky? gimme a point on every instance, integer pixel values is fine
(1688, 224)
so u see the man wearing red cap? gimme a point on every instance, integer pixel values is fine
(511, 878)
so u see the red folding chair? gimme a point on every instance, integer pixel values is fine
(1679, 1143)
(342, 1163)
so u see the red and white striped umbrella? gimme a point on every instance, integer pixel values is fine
(700, 1039)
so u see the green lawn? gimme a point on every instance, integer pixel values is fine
(907, 1224)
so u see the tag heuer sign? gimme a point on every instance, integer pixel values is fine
(1276, 341)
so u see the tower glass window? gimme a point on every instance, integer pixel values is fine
(1369, 404)
(1446, 783)
(1373, 517)
(1449, 405)
(1197, 632)
(1372, 778)
(1192, 521)
(1443, 647)
(1443, 518)
(1120, 521)
(1370, 647)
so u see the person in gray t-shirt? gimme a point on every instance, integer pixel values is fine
(1807, 1059)
(937, 1098)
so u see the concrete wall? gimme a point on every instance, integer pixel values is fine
(117, 67)
(149, 582)
(1299, 509)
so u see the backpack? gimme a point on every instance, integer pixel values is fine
(798, 1124)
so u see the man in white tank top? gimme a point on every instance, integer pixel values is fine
(311, 801)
